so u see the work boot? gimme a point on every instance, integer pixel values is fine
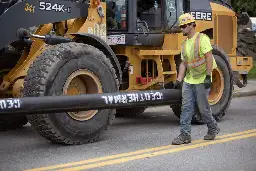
(211, 134)
(182, 139)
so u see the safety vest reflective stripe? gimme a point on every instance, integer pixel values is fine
(197, 63)
(197, 47)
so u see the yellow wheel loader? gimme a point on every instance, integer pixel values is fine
(96, 47)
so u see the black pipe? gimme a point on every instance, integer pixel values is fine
(56, 104)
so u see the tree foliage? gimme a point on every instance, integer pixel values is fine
(245, 6)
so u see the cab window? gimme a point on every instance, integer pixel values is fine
(116, 14)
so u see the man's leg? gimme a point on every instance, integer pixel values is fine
(187, 110)
(206, 112)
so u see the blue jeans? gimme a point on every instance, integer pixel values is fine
(195, 94)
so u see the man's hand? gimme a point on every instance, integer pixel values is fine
(182, 70)
(207, 82)
(177, 85)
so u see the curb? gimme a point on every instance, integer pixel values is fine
(244, 93)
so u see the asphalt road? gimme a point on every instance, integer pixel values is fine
(142, 143)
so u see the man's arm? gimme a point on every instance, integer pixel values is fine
(182, 70)
(208, 58)
(206, 49)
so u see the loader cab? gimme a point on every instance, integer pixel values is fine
(145, 22)
(142, 21)
(124, 15)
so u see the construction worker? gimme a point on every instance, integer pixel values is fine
(195, 80)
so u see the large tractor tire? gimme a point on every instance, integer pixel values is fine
(71, 69)
(128, 112)
(221, 90)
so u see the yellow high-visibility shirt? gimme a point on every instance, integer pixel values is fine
(205, 46)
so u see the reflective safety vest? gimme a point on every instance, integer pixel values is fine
(196, 65)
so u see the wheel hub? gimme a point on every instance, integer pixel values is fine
(217, 86)
(82, 82)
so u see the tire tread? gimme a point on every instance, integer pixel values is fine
(35, 85)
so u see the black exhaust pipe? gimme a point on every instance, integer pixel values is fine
(56, 104)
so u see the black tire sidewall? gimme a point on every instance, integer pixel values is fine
(219, 108)
(65, 124)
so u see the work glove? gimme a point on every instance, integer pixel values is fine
(177, 85)
(207, 82)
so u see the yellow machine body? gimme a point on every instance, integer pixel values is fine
(148, 67)
(159, 60)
